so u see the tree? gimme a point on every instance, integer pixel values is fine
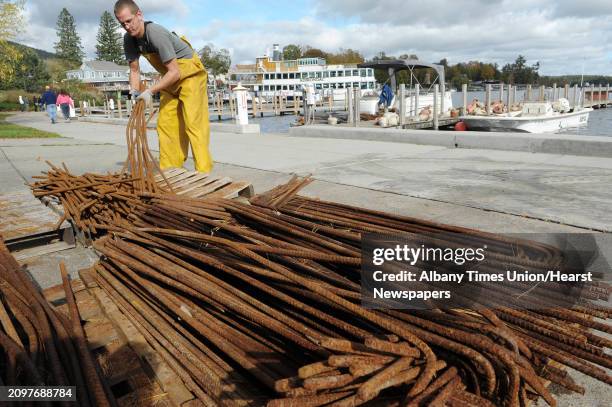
(291, 52)
(519, 72)
(310, 52)
(69, 45)
(11, 21)
(109, 46)
(345, 56)
(216, 60)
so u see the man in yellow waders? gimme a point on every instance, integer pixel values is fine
(183, 113)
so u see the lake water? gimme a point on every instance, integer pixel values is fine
(600, 121)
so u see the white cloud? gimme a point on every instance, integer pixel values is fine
(41, 18)
(562, 35)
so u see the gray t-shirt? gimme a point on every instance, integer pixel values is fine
(156, 40)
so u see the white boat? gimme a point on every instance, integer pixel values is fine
(272, 75)
(535, 117)
(417, 96)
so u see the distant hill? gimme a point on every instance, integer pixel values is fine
(41, 53)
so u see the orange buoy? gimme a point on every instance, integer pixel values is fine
(460, 126)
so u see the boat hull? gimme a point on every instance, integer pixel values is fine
(538, 124)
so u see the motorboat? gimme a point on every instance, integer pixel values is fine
(533, 117)
(418, 98)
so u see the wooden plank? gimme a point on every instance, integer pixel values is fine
(174, 387)
(212, 187)
(172, 172)
(195, 177)
(41, 250)
(232, 190)
(196, 185)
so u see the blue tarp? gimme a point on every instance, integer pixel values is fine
(386, 96)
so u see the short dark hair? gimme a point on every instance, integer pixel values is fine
(121, 4)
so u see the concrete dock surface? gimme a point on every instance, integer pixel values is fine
(492, 190)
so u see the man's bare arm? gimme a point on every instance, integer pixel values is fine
(135, 75)
(170, 78)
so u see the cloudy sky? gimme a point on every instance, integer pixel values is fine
(563, 35)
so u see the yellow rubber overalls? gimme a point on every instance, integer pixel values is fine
(183, 115)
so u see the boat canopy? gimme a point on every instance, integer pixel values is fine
(394, 65)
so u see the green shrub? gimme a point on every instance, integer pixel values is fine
(9, 106)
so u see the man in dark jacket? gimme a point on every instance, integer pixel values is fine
(48, 99)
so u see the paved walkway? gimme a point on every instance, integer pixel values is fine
(494, 190)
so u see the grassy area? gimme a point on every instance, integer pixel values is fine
(10, 130)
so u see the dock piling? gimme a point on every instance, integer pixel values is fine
(417, 91)
(527, 96)
(435, 105)
(488, 99)
(402, 96)
(465, 99)
(356, 115)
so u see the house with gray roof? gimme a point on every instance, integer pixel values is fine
(105, 75)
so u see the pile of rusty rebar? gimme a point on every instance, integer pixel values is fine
(40, 346)
(95, 199)
(261, 303)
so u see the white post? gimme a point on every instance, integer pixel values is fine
(514, 94)
(402, 96)
(417, 91)
(528, 94)
(242, 108)
(542, 93)
(442, 95)
(488, 99)
(554, 95)
(356, 115)
(574, 105)
(501, 92)
(509, 97)
(349, 101)
(465, 99)
(435, 106)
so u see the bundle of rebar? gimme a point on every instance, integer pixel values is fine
(39, 345)
(91, 199)
(261, 303)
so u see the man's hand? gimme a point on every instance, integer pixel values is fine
(146, 96)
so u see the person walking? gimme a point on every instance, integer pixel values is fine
(21, 104)
(183, 111)
(65, 102)
(49, 99)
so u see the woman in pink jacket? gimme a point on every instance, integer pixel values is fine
(65, 102)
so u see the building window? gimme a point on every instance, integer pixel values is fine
(340, 86)
(370, 72)
(340, 73)
(266, 76)
(363, 72)
(370, 85)
(284, 87)
(355, 84)
(332, 74)
(325, 74)
(311, 74)
(304, 75)
(347, 72)
(291, 76)
(326, 86)
(364, 85)
(355, 72)
(285, 76)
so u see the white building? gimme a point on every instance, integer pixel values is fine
(108, 76)
(270, 75)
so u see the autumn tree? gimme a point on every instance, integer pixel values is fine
(217, 61)
(520, 72)
(11, 23)
(68, 46)
(292, 52)
(109, 45)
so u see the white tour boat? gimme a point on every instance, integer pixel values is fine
(273, 75)
(534, 117)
